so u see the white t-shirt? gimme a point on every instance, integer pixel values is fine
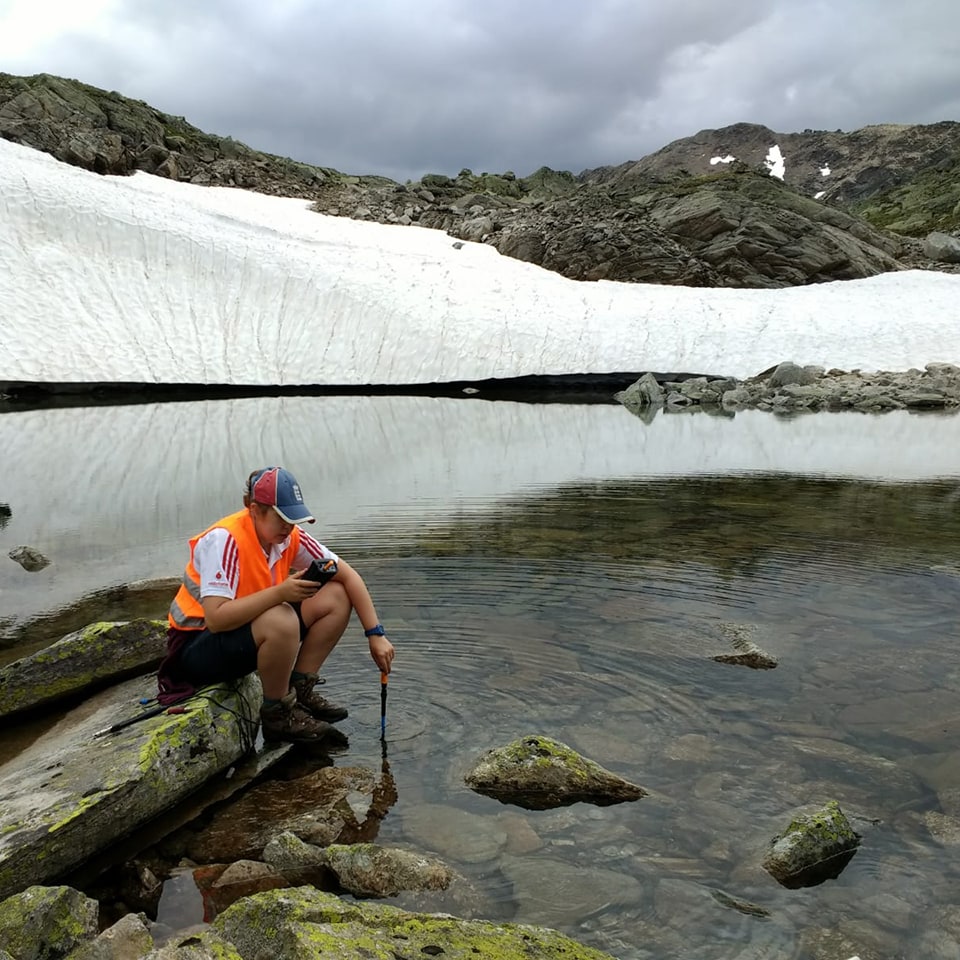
(216, 558)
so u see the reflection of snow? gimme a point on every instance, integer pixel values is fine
(442, 457)
(775, 162)
(144, 279)
(824, 171)
(729, 158)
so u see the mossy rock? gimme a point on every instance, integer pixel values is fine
(539, 773)
(304, 923)
(815, 846)
(42, 922)
(96, 654)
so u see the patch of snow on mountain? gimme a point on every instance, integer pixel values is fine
(775, 162)
(729, 158)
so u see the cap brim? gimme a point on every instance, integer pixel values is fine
(296, 513)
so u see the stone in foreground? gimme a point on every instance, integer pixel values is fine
(538, 773)
(73, 792)
(46, 921)
(368, 870)
(816, 846)
(304, 923)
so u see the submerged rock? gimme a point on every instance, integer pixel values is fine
(538, 773)
(747, 653)
(369, 870)
(317, 809)
(816, 846)
(29, 558)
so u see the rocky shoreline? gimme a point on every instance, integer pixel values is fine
(790, 388)
(787, 388)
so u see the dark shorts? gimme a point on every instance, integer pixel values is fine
(207, 657)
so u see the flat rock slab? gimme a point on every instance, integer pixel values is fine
(94, 655)
(539, 773)
(303, 923)
(72, 793)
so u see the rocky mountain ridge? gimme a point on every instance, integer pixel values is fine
(703, 211)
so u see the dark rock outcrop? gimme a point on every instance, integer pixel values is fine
(678, 216)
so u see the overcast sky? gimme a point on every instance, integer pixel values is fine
(403, 88)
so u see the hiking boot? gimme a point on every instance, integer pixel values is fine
(313, 703)
(286, 721)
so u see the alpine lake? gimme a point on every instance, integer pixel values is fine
(571, 570)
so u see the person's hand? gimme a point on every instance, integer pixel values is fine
(381, 649)
(295, 589)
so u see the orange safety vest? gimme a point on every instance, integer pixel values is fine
(186, 611)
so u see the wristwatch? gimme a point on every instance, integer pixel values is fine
(376, 631)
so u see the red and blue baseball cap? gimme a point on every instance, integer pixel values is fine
(278, 488)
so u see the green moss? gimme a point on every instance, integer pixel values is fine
(82, 805)
(541, 751)
(324, 925)
(826, 824)
(929, 202)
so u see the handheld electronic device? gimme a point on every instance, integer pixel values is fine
(320, 571)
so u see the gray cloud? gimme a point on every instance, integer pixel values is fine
(403, 89)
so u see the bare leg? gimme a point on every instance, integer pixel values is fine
(326, 615)
(277, 635)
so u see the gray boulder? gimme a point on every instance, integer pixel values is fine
(942, 247)
(127, 939)
(304, 923)
(539, 773)
(41, 923)
(646, 392)
(77, 789)
(369, 870)
(98, 653)
(815, 846)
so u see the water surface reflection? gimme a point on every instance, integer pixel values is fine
(571, 572)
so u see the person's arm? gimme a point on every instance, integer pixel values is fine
(381, 649)
(223, 614)
(215, 560)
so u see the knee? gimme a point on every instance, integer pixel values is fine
(332, 599)
(337, 597)
(277, 623)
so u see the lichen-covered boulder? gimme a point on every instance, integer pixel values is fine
(205, 945)
(83, 783)
(539, 773)
(815, 846)
(303, 923)
(96, 654)
(42, 922)
(369, 870)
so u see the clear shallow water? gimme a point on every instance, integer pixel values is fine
(587, 607)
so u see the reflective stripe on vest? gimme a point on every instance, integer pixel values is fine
(186, 610)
